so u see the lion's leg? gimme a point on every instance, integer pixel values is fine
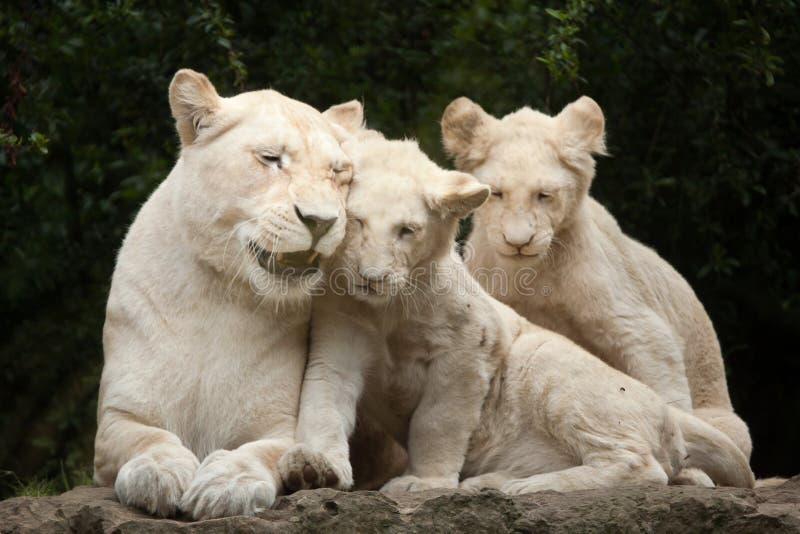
(148, 466)
(729, 424)
(242, 481)
(610, 472)
(442, 423)
(334, 379)
(651, 356)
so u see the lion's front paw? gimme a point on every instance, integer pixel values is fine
(302, 468)
(520, 486)
(229, 483)
(155, 481)
(413, 483)
(488, 480)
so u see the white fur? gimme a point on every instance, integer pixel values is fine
(571, 268)
(205, 348)
(478, 394)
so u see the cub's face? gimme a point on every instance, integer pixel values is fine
(538, 167)
(527, 206)
(262, 182)
(402, 215)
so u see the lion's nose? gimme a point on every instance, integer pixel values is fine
(317, 224)
(518, 240)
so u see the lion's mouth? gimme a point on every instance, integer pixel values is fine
(300, 263)
(368, 289)
(519, 255)
(376, 290)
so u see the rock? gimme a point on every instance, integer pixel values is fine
(630, 509)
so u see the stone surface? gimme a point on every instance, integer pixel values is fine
(633, 509)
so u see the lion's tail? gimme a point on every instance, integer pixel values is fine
(713, 452)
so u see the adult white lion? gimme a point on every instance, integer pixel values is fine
(605, 291)
(205, 337)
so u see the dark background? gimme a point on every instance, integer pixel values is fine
(702, 105)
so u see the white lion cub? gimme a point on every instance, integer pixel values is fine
(478, 394)
(205, 338)
(585, 278)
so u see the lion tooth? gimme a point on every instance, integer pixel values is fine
(312, 257)
(279, 257)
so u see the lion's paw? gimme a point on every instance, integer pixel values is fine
(488, 480)
(155, 481)
(414, 483)
(691, 476)
(302, 468)
(520, 486)
(229, 483)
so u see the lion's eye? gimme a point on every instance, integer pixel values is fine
(270, 159)
(497, 194)
(545, 196)
(358, 222)
(407, 231)
(342, 173)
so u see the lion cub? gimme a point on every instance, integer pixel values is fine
(479, 395)
(570, 267)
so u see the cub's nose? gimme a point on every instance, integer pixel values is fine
(317, 224)
(518, 240)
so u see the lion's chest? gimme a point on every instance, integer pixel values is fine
(402, 376)
(217, 377)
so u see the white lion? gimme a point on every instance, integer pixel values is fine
(476, 392)
(205, 338)
(569, 266)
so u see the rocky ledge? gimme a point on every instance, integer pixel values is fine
(631, 509)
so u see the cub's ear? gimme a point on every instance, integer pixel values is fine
(582, 126)
(348, 116)
(193, 101)
(465, 132)
(456, 194)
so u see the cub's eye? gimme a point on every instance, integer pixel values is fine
(270, 159)
(358, 222)
(342, 173)
(544, 196)
(407, 231)
(497, 194)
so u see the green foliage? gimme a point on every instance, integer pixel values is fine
(701, 111)
(38, 486)
(561, 54)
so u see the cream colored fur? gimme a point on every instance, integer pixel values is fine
(205, 337)
(480, 396)
(569, 266)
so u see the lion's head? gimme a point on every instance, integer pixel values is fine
(539, 168)
(403, 211)
(261, 182)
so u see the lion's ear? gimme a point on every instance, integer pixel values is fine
(193, 101)
(348, 116)
(582, 126)
(456, 194)
(465, 132)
